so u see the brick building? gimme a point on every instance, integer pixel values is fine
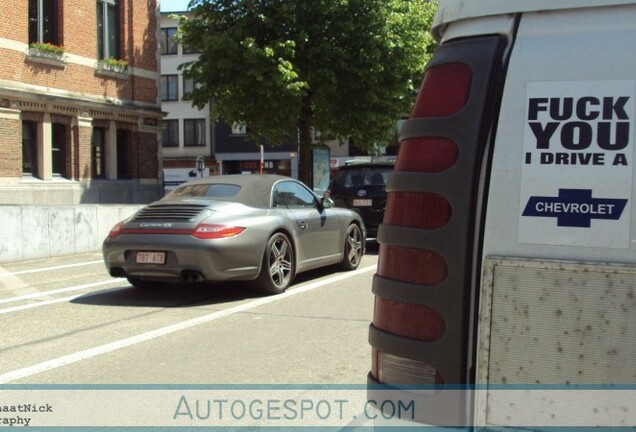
(75, 127)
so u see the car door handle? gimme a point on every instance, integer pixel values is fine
(302, 224)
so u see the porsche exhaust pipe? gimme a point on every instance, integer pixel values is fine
(117, 272)
(191, 276)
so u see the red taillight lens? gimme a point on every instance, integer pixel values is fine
(426, 155)
(418, 266)
(417, 210)
(407, 319)
(116, 230)
(444, 91)
(211, 231)
(202, 231)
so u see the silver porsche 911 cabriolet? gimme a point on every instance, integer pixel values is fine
(265, 228)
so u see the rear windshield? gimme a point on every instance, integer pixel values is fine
(217, 190)
(372, 176)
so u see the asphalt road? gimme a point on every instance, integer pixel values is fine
(65, 321)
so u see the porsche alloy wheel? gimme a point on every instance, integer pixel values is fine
(279, 267)
(353, 248)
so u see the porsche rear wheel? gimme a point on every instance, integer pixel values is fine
(353, 248)
(279, 266)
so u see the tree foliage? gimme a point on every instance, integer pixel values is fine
(348, 68)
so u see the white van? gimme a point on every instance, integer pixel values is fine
(507, 252)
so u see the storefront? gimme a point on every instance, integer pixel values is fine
(237, 155)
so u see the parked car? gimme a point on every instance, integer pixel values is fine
(265, 228)
(361, 186)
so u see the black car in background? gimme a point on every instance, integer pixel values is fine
(361, 186)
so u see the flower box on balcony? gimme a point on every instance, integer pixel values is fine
(111, 66)
(46, 53)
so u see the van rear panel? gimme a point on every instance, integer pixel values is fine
(548, 294)
(557, 302)
(561, 179)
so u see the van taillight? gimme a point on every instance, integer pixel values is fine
(425, 285)
(409, 320)
(444, 91)
(418, 210)
(427, 155)
(418, 266)
(402, 371)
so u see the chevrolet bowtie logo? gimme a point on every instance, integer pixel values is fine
(575, 207)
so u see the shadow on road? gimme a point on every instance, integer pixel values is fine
(372, 247)
(181, 295)
(189, 295)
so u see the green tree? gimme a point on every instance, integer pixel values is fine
(348, 68)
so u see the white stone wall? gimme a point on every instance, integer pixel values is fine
(34, 232)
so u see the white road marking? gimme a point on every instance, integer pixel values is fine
(39, 304)
(163, 331)
(44, 269)
(58, 291)
(11, 281)
(53, 301)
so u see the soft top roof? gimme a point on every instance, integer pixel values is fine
(255, 188)
(454, 10)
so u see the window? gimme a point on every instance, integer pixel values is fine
(239, 129)
(44, 21)
(108, 31)
(30, 148)
(99, 159)
(170, 133)
(123, 161)
(188, 86)
(169, 87)
(363, 176)
(217, 190)
(290, 194)
(188, 50)
(58, 149)
(168, 45)
(194, 132)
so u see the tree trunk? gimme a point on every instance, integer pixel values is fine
(305, 168)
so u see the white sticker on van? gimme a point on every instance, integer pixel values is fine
(577, 164)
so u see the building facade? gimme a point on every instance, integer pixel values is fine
(189, 133)
(80, 114)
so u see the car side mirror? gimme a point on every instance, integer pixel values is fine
(326, 202)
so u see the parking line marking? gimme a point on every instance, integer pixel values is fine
(163, 331)
(60, 267)
(34, 305)
(57, 291)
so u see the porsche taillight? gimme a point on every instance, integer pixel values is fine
(201, 231)
(116, 230)
(214, 231)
